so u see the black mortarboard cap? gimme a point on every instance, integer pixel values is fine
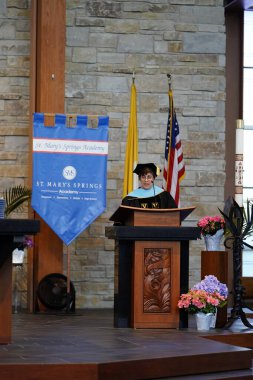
(153, 168)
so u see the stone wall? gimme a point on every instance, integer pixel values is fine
(15, 34)
(106, 42)
(14, 91)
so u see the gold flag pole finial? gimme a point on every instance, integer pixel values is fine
(169, 80)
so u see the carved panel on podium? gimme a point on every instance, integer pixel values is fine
(157, 280)
(156, 284)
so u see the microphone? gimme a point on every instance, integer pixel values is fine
(155, 203)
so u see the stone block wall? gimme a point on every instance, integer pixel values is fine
(106, 42)
(14, 92)
(15, 36)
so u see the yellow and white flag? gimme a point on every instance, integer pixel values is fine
(131, 159)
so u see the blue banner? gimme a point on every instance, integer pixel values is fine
(69, 173)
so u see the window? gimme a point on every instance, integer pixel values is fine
(247, 268)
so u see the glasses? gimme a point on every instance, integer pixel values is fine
(148, 177)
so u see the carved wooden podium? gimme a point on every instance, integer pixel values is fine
(151, 266)
(11, 231)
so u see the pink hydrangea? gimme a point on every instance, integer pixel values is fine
(209, 225)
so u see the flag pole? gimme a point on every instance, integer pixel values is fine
(170, 98)
(131, 158)
(68, 282)
(174, 168)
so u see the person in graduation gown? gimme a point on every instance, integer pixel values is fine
(148, 195)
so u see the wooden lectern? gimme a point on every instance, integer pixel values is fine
(151, 266)
(11, 230)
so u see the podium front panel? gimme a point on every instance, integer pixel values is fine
(149, 218)
(156, 284)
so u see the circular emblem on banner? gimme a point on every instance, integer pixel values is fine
(69, 172)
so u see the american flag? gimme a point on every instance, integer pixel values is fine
(174, 168)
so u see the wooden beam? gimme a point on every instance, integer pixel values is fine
(47, 95)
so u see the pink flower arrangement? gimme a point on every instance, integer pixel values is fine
(209, 225)
(205, 296)
(200, 301)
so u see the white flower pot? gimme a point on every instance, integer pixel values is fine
(18, 256)
(203, 321)
(213, 241)
(213, 320)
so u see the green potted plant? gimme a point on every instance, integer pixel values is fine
(15, 197)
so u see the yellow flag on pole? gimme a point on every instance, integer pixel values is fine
(131, 159)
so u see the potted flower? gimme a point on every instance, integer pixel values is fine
(17, 261)
(212, 228)
(203, 300)
(213, 286)
(19, 253)
(200, 301)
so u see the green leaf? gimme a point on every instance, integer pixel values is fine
(15, 197)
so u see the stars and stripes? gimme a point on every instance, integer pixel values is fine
(174, 168)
